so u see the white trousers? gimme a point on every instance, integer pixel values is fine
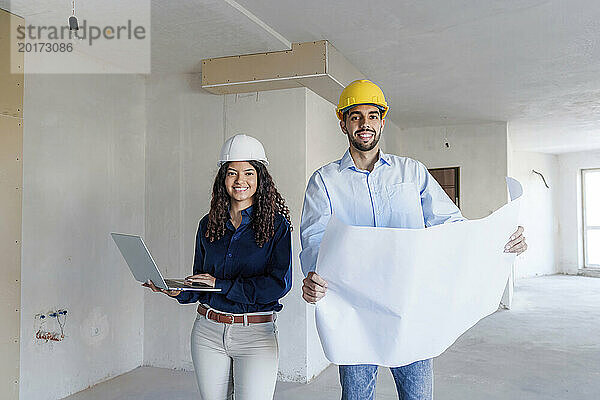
(235, 360)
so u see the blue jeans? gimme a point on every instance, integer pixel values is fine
(413, 381)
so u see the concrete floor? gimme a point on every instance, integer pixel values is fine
(546, 347)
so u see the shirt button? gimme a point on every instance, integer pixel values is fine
(229, 255)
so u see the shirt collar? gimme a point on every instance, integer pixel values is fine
(348, 162)
(246, 212)
(246, 217)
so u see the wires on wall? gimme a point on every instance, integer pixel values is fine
(542, 176)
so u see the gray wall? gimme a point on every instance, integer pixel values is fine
(184, 134)
(480, 150)
(538, 213)
(83, 178)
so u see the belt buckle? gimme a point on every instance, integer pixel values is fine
(215, 318)
(219, 317)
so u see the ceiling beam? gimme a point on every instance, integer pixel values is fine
(315, 65)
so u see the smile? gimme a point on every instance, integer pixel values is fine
(240, 189)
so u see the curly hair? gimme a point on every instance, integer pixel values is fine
(267, 204)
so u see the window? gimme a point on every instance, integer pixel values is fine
(591, 217)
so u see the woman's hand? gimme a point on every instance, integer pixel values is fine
(171, 293)
(207, 279)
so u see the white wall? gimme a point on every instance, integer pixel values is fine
(571, 242)
(480, 150)
(83, 178)
(184, 135)
(538, 212)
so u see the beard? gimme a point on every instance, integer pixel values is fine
(359, 145)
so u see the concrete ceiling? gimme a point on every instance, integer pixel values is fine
(533, 63)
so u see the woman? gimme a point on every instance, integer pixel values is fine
(243, 247)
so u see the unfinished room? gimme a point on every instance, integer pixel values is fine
(256, 200)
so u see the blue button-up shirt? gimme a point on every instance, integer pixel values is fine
(251, 278)
(398, 193)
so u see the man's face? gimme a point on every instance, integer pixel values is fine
(363, 126)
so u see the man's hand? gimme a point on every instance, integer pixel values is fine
(314, 288)
(171, 293)
(516, 244)
(207, 279)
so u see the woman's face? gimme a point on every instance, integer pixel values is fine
(241, 181)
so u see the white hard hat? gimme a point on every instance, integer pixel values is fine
(242, 148)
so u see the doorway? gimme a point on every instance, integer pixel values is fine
(449, 180)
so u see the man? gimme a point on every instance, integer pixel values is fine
(369, 188)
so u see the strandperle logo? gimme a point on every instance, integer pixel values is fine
(90, 33)
(103, 40)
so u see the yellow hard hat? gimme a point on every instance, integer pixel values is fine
(361, 92)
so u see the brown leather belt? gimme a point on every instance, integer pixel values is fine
(234, 319)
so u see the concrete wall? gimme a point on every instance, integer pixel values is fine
(184, 134)
(11, 205)
(83, 178)
(538, 213)
(571, 241)
(479, 150)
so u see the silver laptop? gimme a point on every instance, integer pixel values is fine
(142, 265)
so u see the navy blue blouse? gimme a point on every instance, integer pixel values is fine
(251, 278)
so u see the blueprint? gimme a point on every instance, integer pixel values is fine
(396, 296)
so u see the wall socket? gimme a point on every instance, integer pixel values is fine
(49, 326)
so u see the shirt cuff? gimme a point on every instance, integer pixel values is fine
(224, 285)
(183, 297)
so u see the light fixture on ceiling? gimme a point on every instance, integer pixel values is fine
(446, 142)
(73, 23)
